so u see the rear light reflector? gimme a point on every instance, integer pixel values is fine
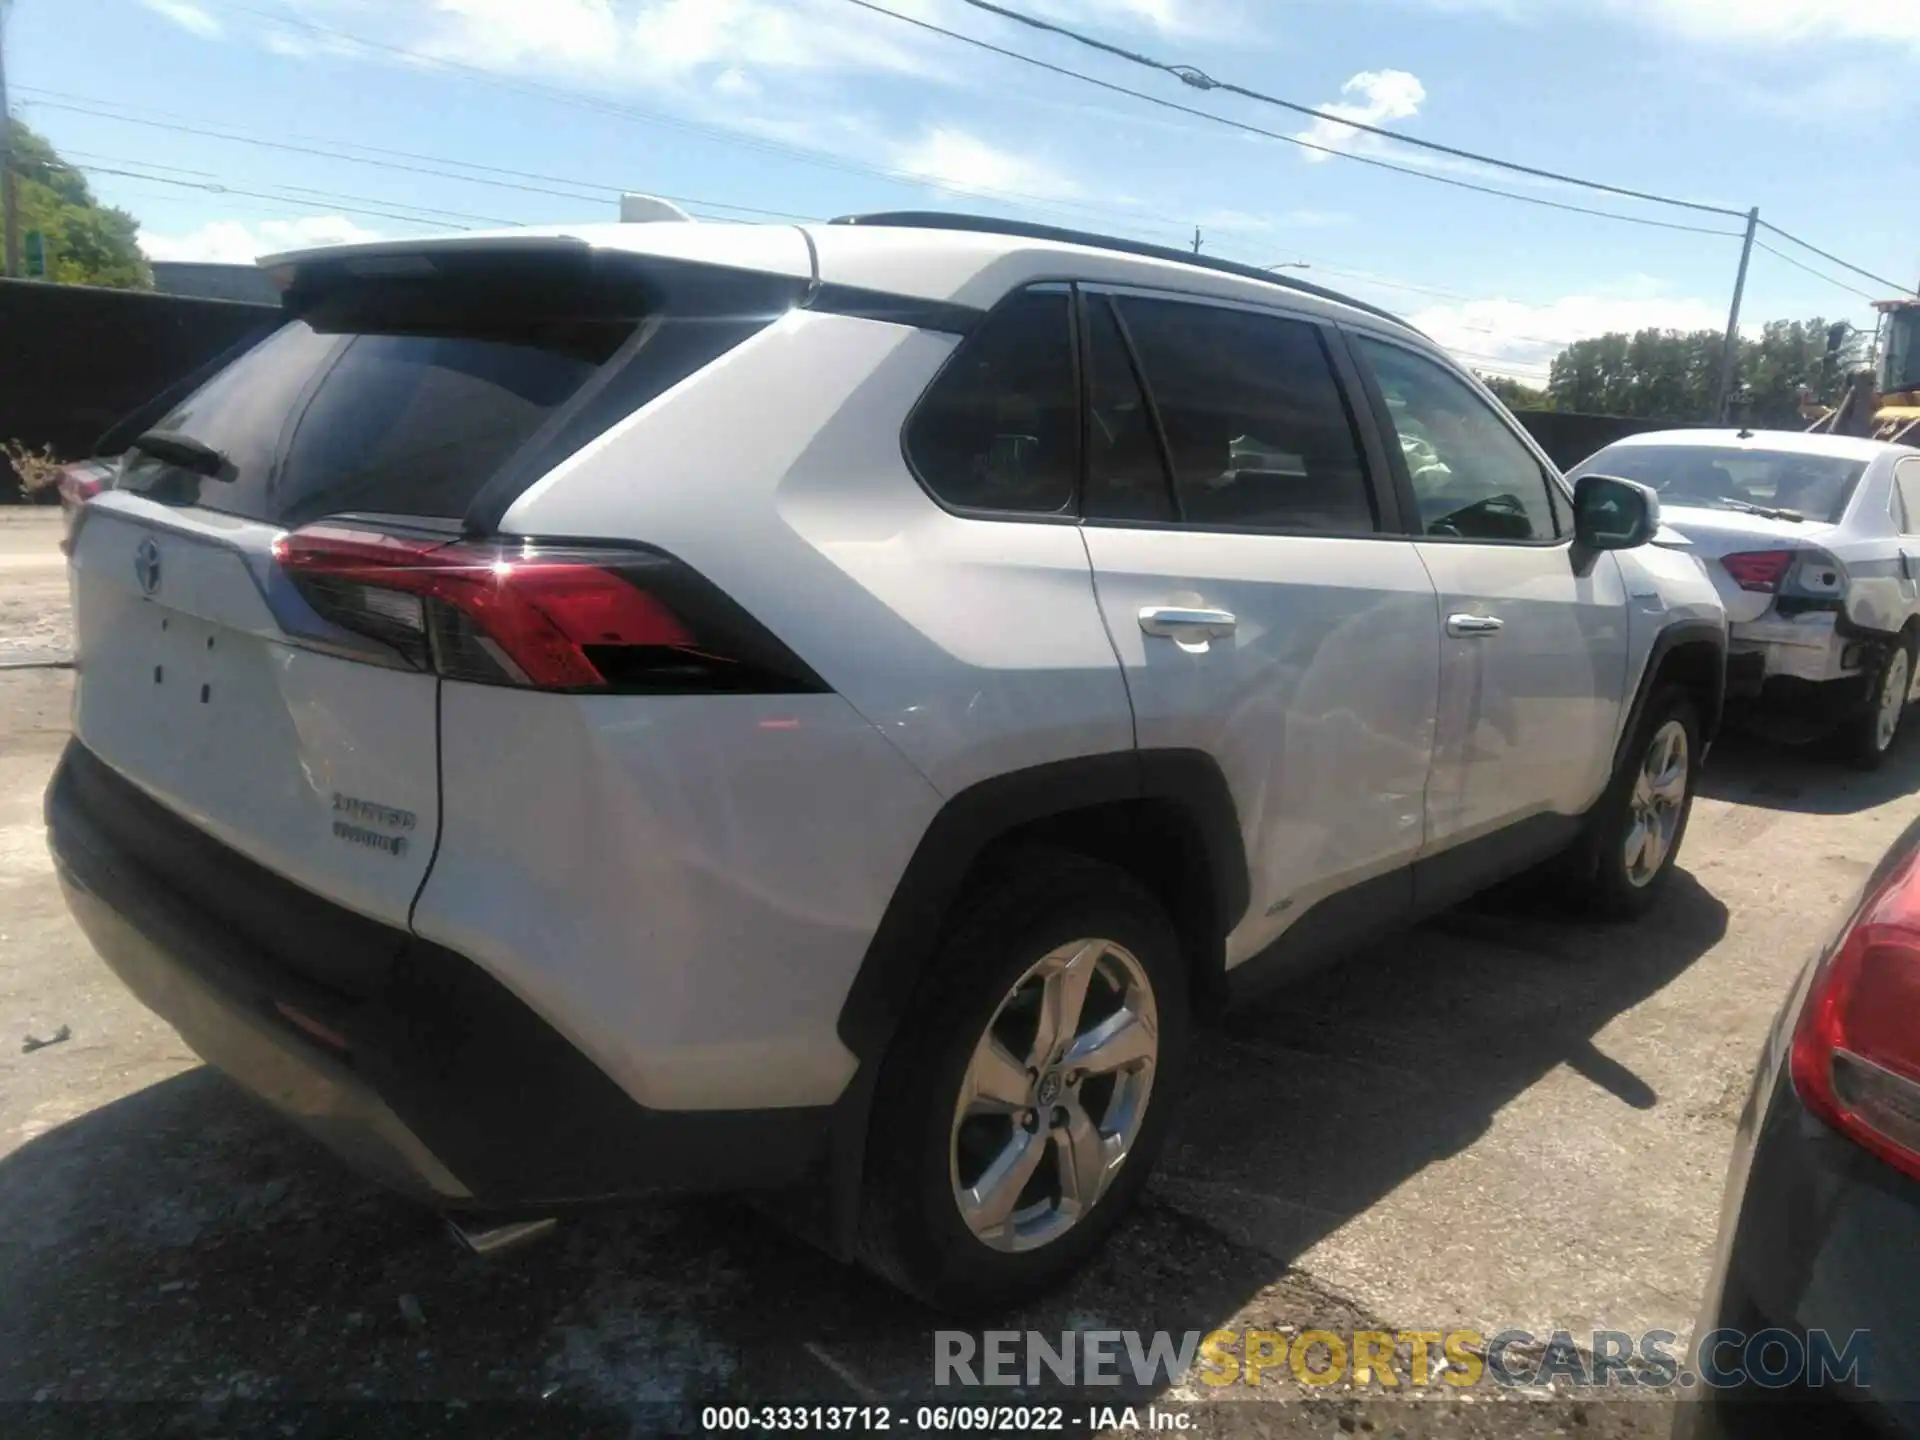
(1856, 1046)
(1761, 570)
(571, 618)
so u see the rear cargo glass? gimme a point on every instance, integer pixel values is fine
(408, 400)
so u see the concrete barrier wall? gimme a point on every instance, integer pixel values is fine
(74, 359)
(1569, 439)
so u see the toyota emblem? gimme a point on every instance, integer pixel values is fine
(146, 566)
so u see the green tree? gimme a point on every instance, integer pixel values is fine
(1790, 354)
(87, 243)
(1674, 375)
(1515, 395)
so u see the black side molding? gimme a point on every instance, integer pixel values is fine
(894, 309)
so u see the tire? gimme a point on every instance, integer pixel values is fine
(1035, 907)
(1621, 885)
(1868, 738)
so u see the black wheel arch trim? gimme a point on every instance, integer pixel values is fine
(1681, 632)
(973, 820)
(966, 827)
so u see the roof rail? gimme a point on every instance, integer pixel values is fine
(993, 225)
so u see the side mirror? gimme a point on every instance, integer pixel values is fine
(1613, 514)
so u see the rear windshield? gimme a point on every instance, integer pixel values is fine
(411, 396)
(1813, 487)
(313, 423)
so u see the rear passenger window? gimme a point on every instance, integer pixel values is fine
(1126, 475)
(997, 430)
(1257, 430)
(1907, 496)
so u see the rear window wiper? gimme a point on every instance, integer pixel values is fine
(183, 452)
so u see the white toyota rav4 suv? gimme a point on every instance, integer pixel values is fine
(825, 710)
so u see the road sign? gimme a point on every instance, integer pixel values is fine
(36, 255)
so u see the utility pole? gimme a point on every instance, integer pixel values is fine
(1723, 393)
(1196, 239)
(9, 193)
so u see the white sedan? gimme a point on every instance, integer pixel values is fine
(1814, 543)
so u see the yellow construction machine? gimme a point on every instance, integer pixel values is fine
(1883, 402)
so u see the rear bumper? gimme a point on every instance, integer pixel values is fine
(404, 1057)
(1798, 692)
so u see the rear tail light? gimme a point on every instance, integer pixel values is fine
(1856, 1047)
(1760, 569)
(1805, 572)
(518, 613)
(77, 484)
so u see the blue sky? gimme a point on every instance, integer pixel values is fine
(818, 108)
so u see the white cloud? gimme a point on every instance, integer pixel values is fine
(236, 242)
(954, 158)
(1170, 16)
(1780, 22)
(1730, 22)
(669, 41)
(1379, 96)
(186, 15)
(1508, 337)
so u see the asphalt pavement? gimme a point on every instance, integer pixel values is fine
(1503, 1119)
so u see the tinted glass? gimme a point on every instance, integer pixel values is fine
(1472, 477)
(1727, 477)
(408, 424)
(997, 429)
(1256, 427)
(1126, 476)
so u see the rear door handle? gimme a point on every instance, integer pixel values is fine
(1177, 622)
(1470, 625)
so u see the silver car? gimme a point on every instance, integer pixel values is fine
(1814, 543)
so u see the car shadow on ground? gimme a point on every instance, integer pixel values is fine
(1809, 779)
(180, 1246)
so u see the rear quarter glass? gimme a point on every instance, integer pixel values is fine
(413, 397)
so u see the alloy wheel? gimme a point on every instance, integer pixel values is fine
(1893, 699)
(1659, 796)
(1054, 1095)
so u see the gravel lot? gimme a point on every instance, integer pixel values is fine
(1498, 1120)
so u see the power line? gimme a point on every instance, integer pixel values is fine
(1372, 279)
(330, 195)
(346, 206)
(337, 149)
(106, 165)
(1200, 80)
(1041, 204)
(1523, 367)
(92, 108)
(1843, 264)
(1249, 129)
(1817, 274)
